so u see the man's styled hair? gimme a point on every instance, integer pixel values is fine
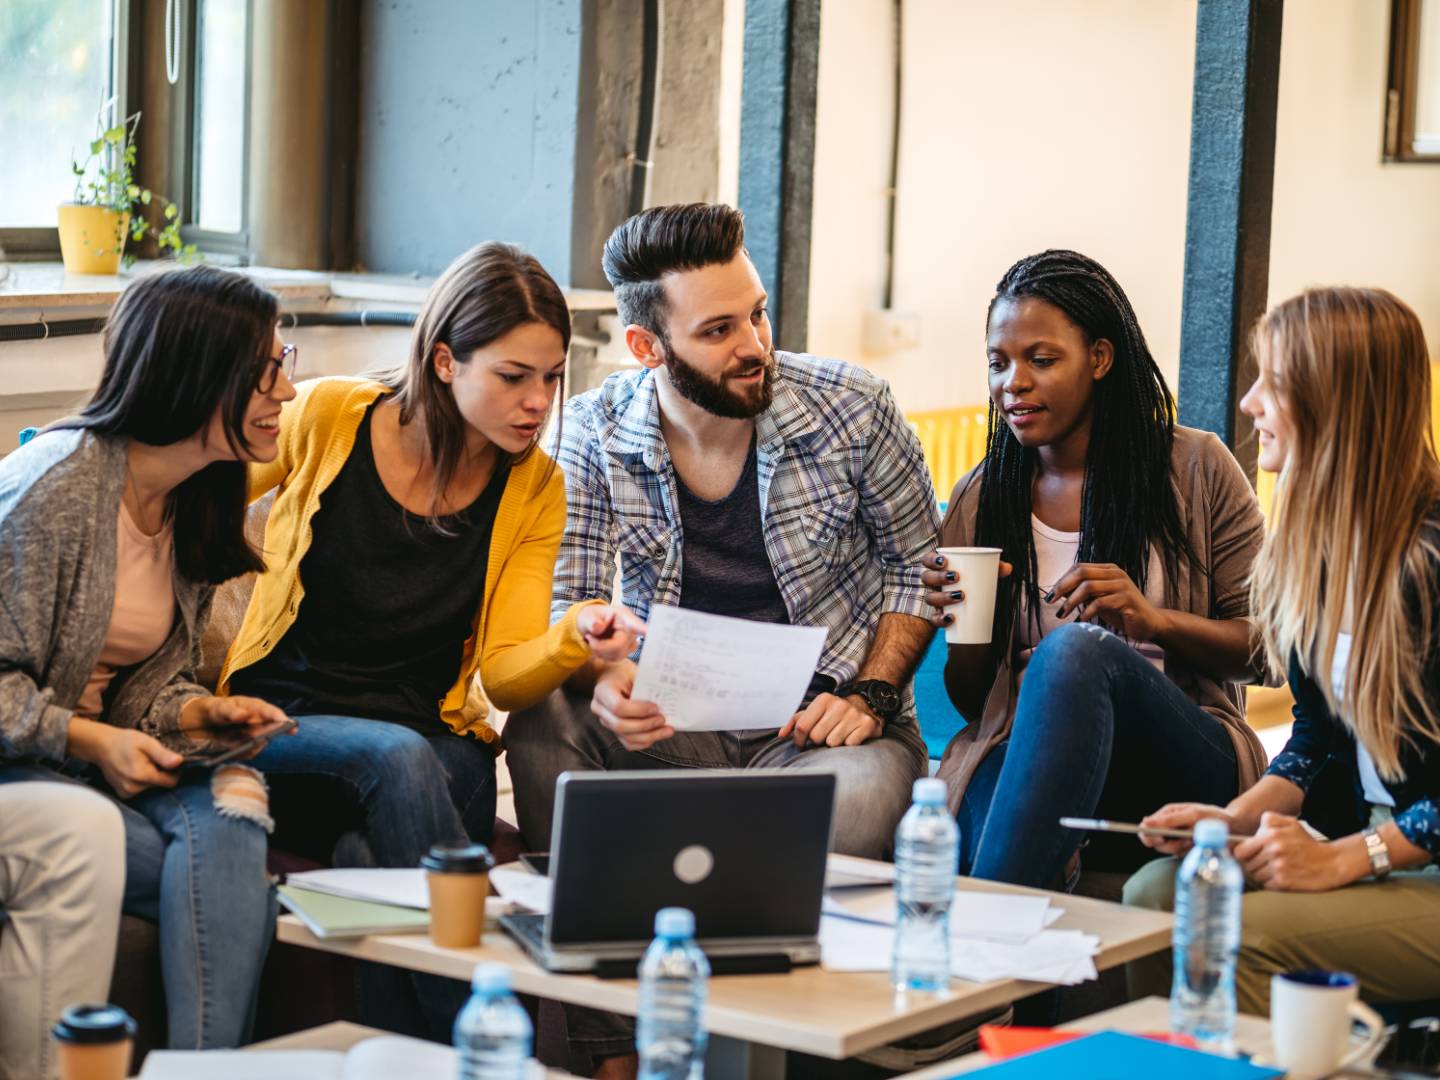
(663, 239)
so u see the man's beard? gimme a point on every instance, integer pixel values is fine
(713, 395)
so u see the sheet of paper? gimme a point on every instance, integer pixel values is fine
(523, 889)
(714, 673)
(1064, 957)
(846, 871)
(987, 915)
(402, 887)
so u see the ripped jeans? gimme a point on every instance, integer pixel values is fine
(200, 875)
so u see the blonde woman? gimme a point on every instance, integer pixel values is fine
(1344, 596)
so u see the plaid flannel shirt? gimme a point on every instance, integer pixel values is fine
(846, 502)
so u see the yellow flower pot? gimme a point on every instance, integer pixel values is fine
(92, 238)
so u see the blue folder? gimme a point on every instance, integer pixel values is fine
(1111, 1055)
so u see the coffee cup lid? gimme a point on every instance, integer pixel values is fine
(458, 859)
(94, 1024)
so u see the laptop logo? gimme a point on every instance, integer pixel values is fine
(693, 864)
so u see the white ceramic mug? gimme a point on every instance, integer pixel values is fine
(978, 570)
(1310, 1017)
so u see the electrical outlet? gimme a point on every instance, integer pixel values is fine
(885, 330)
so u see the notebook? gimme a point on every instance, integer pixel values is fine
(1110, 1055)
(381, 1058)
(330, 916)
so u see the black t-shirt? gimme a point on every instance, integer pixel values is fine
(724, 568)
(389, 603)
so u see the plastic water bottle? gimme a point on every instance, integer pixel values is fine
(673, 974)
(493, 1035)
(927, 854)
(1207, 938)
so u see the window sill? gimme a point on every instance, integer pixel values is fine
(47, 289)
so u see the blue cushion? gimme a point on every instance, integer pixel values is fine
(939, 719)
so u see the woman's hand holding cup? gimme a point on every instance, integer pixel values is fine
(962, 590)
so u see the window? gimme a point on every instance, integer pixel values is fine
(1412, 114)
(221, 93)
(57, 69)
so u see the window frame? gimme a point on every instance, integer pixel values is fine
(41, 243)
(1402, 85)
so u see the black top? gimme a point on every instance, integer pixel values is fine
(389, 603)
(724, 567)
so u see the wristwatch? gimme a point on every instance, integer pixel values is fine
(1379, 854)
(882, 697)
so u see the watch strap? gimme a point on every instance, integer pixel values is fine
(1379, 853)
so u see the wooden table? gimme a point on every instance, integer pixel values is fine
(754, 1020)
(1252, 1034)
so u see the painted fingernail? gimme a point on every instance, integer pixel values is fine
(948, 619)
(939, 560)
(952, 576)
(1060, 614)
(957, 595)
(1049, 596)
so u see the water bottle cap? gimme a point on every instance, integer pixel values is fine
(675, 922)
(1211, 832)
(490, 979)
(929, 791)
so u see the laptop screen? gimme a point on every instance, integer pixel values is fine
(745, 851)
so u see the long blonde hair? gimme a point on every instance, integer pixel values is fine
(1350, 370)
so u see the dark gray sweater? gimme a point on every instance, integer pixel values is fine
(59, 503)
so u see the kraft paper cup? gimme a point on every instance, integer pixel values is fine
(459, 878)
(978, 572)
(94, 1042)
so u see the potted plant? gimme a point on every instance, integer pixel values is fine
(94, 228)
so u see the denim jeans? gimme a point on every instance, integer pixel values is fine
(200, 876)
(355, 792)
(1098, 731)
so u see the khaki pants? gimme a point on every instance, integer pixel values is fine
(1387, 934)
(62, 873)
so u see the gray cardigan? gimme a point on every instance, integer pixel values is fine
(59, 502)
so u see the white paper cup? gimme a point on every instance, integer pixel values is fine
(1310, 1016)
(978, 572)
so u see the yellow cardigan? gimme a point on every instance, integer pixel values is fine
(517, 657)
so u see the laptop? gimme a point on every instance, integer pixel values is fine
(744, 850)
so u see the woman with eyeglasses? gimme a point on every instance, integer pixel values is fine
(115, 527)
(412, 541)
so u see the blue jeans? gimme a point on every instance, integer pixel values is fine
(356, 792)
(401, 790)
(201, 877)
(1098, 731)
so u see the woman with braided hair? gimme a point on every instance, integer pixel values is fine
(1121, 635)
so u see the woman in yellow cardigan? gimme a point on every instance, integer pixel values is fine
(409, 555)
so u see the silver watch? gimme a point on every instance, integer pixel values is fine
(1379, 854)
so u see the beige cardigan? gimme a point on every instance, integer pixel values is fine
(1223, 521)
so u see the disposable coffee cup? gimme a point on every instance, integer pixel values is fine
(977, 571)
(459, 877)
(95, 1042)
(1311, 1013)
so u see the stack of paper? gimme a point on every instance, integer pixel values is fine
(993, 935)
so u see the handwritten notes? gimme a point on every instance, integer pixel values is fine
(714, 673)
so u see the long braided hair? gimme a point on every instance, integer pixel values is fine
(1128, 503)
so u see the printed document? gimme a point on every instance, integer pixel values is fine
(714, 673)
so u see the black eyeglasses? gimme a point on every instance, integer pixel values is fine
(270, 370)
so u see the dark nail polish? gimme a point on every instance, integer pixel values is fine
(1060, 614)
(939, 560)
(1049, 596)
(957, 595)
(948, 619)
(951, 576)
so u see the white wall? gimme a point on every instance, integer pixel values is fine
(1066, 123)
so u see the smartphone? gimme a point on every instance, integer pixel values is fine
(219, 755)
(1100, 825)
